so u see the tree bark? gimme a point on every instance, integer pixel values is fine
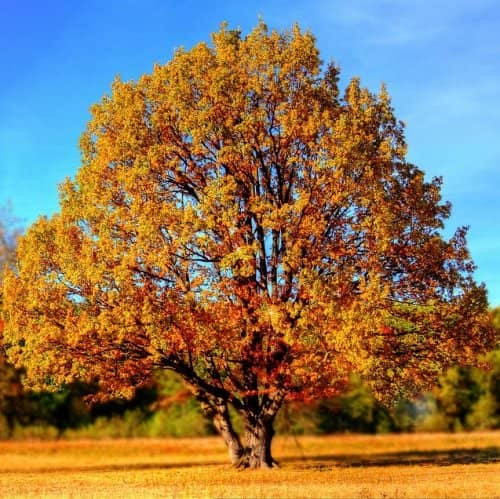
(259, 430)
(223, 425)
(217, 410)
(257, 451)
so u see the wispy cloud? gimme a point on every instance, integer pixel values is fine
(400, 22)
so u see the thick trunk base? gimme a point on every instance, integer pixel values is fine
(259, 431)
(257, 451)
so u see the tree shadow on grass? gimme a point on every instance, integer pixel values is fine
(446, 457)
(486, 455)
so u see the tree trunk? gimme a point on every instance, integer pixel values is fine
(222, 423)
(259, 433)
(257, 451)
(259, 430)
(217, 410)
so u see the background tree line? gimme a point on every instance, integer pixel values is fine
(465, 399)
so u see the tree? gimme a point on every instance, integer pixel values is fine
(237, 221)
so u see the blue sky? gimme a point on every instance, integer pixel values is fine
(439, 59)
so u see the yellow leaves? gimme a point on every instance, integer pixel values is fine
(218, 204)
(241, 261)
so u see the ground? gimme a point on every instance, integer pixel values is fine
(358, 466)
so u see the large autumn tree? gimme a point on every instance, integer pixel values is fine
(237, 220)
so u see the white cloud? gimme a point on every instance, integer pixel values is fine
(401, 22)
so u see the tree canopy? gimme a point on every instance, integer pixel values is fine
(238, 220)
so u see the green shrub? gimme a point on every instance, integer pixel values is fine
(36, 432)
(182, 420)
(130, 424)
(485, 413)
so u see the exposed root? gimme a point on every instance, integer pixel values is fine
(248, 461)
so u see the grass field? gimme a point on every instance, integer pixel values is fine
(392, 466)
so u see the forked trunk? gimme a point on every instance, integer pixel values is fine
(259, 431)
(256, 453)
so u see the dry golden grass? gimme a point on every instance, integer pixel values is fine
(399, 466)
